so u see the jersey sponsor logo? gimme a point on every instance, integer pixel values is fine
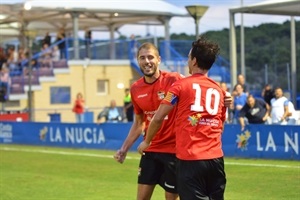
(209, 122)
(194, 119)
(142, 95)
(152, 112)
(161, 95)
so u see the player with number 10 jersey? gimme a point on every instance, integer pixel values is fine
(203, 120)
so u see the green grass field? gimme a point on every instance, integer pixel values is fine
(42, 173)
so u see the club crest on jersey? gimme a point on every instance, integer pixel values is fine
(161, 95)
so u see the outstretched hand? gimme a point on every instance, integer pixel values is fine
(120, 156)
(142, 147)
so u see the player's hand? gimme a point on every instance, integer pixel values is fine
(120, 156)
(228, 100)
(142, 147)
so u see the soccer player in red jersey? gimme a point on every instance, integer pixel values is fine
(200, 115)
(157, 165)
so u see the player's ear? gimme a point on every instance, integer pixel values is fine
(194, 61)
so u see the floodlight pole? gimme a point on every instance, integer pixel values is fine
(196, 11)
(30, 35)
(197, 19)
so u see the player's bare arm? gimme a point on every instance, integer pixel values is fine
(134, 133)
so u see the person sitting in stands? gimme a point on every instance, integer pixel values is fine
(12, 59)
(55, 54)
(4, 81)
(111, 113)
(4, 76)
(46, 55)
(255, 110)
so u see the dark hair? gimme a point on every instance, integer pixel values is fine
(205, 52)
(250, 96)
(239, 85)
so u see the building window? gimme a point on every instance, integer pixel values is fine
(60, 95)
(102, 87)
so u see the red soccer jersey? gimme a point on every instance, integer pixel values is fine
(146, 99)
(199, 118)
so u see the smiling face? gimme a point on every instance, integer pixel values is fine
(148, 60)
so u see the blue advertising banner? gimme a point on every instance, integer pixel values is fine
(103, 136)
(262, 141)
(256, 141)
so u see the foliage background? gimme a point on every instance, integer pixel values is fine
(266, 44)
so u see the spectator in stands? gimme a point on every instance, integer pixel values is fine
(88, 41)
(255, 110)
(3, 57)
(12, 59)
(4, 76)
(23, 58)
(111, 113)
(35, 64)
(267, 93)
(4, 81)
(128, 107)
(46, 56)
(239, 101)
(62, 44)
(55, 54)
(278, 106)
(47, 39)
(241, 80)
(223, 85)
(290, 114)
(78, 108)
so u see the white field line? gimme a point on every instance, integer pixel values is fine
(129, 157)
(62, 153)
